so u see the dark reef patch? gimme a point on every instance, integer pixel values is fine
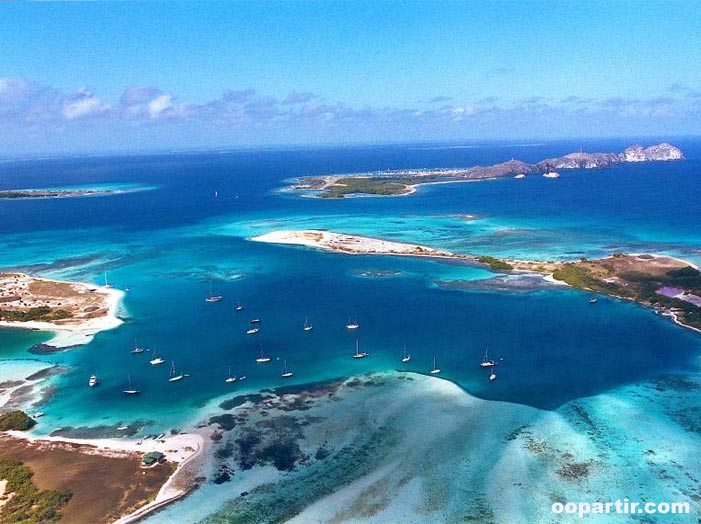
(240, 401)
(226, 421)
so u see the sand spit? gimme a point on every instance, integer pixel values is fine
(352, 244)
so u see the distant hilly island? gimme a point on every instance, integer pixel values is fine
(404, 182)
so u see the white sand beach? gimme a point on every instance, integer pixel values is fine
(94, 308)
(352, 244)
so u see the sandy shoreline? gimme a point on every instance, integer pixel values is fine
(73, 331)
(353, 244)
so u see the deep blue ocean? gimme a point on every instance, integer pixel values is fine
(170, 243)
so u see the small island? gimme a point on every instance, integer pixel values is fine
(24, 194)
(668, 285)
(405, 182)
(74, 311)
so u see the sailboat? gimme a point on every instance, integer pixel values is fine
(93, 381)
(230, 378)
(307, 325)
(174, 377)
(239, 307)
(212, 297)
(493, 375)
(262, 359)
(407, 357)
(285, 372)
(107, 285)
(486, 363)
(137, 349)
(352, 324)
(592, 300)
(155, 361)
(255, 321)
(435, 369)
(130, 390)
(358, 353)
(252, 331)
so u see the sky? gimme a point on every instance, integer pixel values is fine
(135, 76)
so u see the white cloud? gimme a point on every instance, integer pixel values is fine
(83, 104)
(14, 90)
(160, 105)
(27, 105)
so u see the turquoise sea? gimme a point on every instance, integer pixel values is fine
(190, 231)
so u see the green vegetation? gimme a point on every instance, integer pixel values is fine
(41, 314)
(687, 278)
(576, 276)
(495, 264)
(28, 504)
(151, 458)
(584, 278)
(641, 287)
(368, 186)
(17, 420)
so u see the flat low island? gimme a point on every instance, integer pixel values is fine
(74, 311)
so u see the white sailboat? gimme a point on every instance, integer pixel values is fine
(358, 353)
(435, 369)
(307, 325)
(93, 381)
(174, 377)
(262, 359)
(137, 349)
(407, 357)
(352, 324)
(107, 285)
(252, 331)
(486, 363)
(212, 297)
(130, 390)
(285, 372)
(239, 307)
(155, 361)
(230, 378)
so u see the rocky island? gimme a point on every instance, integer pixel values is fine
(668, 285)
(405, 182)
